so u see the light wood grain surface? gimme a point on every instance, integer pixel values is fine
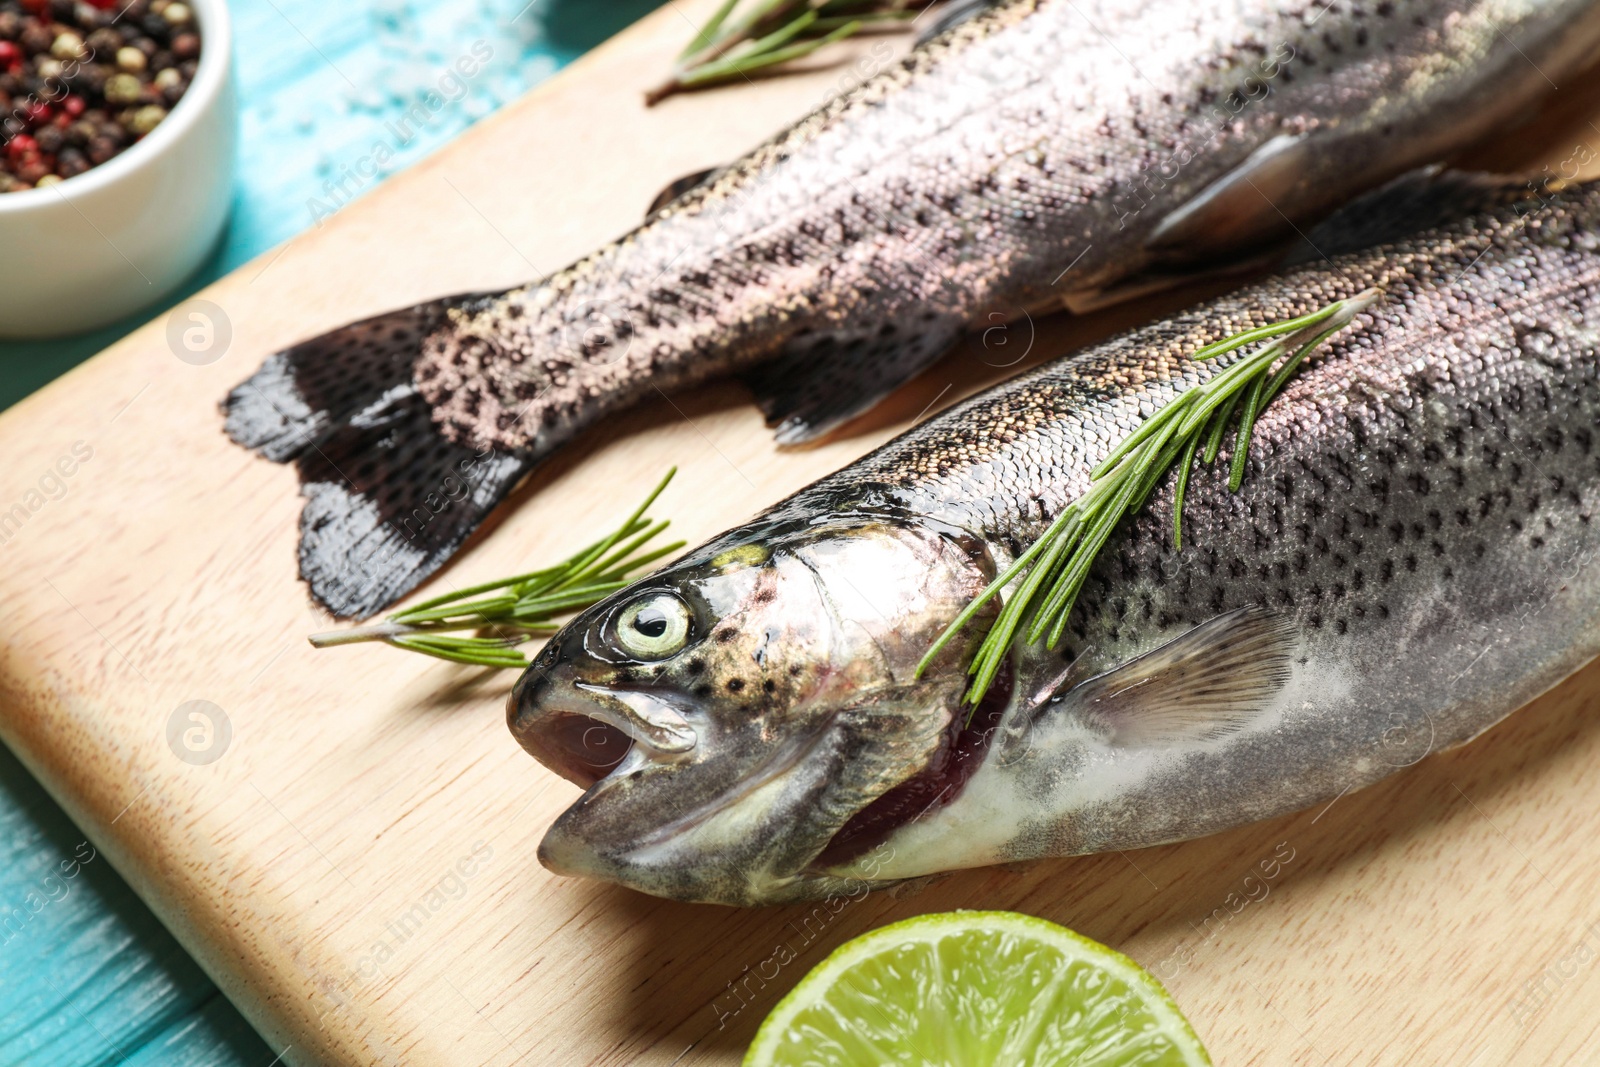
(357, 868)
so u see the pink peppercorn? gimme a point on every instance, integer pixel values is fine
(20, 147)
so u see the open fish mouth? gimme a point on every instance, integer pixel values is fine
(581, 749)
(598, 729)
(600, 738)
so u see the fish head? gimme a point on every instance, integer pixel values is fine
(729, 715)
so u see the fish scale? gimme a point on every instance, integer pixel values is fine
(1045, 150)
(1363, 389)
(1410, 557)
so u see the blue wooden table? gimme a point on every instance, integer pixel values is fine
(87, 973)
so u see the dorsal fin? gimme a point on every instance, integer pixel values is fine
(1210, 682)
(1421, 199)
(950, 16)
(678, 186)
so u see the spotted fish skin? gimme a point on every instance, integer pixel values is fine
(1041, 150)
(1418, 506)
(1411, 557)
(1031, 152)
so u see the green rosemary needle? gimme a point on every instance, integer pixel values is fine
(512, 611)
(1051, 572)
(769, 33)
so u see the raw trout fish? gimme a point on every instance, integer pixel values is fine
(1041, 149)
(1410, 557)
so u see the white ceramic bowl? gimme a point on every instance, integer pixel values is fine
(120, 236)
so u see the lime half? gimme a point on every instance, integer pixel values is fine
(975, 989)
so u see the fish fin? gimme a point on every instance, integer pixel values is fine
(907, 888)
(1248, 206)
(824, 379)
(952, 15)
(1208, 683)
(1088, 301)
(678, 186)
(1138, 286)
(1417, 200)
(388, 500)
(304, 391)
(388, 497)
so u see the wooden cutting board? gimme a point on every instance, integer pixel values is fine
(356, 866)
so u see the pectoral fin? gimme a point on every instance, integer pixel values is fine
(1212, 681)
(1249, 206)
(824, 379)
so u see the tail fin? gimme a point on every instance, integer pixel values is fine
(299, 394)
(388, 498)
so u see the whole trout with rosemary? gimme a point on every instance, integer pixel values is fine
(1042, 150)
(1409, 556)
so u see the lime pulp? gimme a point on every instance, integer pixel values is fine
(975, 989)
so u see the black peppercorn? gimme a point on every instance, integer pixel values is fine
(105, 42)
(36, 37)
(102, 149)
(71, 163)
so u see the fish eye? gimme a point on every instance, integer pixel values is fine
(654, 626)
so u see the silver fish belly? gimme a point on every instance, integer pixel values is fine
(1409, 559)
(1045, 149)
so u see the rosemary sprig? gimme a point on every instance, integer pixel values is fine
(512, 611)
(769, 33)
(1051, 572)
